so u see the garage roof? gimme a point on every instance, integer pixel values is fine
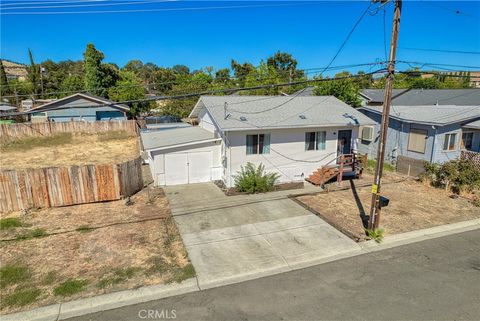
(174, 137)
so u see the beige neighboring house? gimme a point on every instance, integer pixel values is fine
(474, 78)
(15, 70)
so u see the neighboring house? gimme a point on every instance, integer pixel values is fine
(5, 108)
(292, 136)
(14, 70)
(432, 133)
(79, 107)
(423, 97)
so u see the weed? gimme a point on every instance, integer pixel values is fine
(10, 222)
(21, 297)
(38, 232)
(49, 278)
(158, 265)
(84, 229)
(185, 273)
(70, 287)
(14, 274)
(376, 234)
(32, 142)
(387, 167)
(119, 276)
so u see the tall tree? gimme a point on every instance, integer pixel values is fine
(4, 89)
(93, 71)
(34, 73)
(285, 65)
(240, 71)
(344, 89)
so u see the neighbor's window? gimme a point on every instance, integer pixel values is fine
(417, 140)
(467, 141)
(449, 143)
(315, 140)
(258, 144)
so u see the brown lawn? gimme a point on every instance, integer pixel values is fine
(69, 149)
(413, 205)
(95, 248)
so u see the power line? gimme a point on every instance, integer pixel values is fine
(12, 3)
(152, 10)
(139, 2)
(443, 50)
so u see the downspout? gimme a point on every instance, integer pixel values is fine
(433, 144)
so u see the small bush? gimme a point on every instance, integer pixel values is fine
(21, 297)
(376, 234)
(10, 222)
(455, 175)
(14, 274)
(253, 179)
(70, 287)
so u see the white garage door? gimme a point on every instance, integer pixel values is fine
(185, 168)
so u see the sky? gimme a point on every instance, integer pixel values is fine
(245, 31)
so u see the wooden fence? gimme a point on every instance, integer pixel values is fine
(60, 186)
(10, 132)
(473, 156)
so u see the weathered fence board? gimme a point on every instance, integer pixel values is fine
(61, 186)
(10, 132)
(410, 166)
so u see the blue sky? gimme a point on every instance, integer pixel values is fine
(311, 31)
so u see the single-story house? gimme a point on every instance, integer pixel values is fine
(432, 133)
(292, 136)
(79, 107)
(422, 97)
(6, 108)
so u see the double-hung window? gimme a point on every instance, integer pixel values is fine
(449, 143)
(258, 144)
(315, 140)
(467, 141)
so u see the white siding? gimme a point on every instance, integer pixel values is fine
(205, 121)
(286, 147)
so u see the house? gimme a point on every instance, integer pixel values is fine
(6, 108)
(292, 136)
(422, 97)
(79, 107)
(434, 133)
(14, 70)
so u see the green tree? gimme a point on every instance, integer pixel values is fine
(33, 73)
(71, 84)
(181, 69)
(344, 89)
(130, 87)
(222, 76)
(4, 88)
(93, 71)
(285, 66)
(164, 80)
(240, 71)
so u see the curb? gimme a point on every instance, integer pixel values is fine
(103, 302)
(119, 299)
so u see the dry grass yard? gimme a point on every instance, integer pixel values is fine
(59, 254)
(413, 205)
(69, 149)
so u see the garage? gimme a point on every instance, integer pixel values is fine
(184, 155)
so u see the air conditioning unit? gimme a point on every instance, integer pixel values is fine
(367, 133)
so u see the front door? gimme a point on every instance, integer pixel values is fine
(344, 144)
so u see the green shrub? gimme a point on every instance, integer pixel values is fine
(14, 274)
(253, 179)
(376, 234)
(70, 287)
(10, 222)
(455, 175)
(185, 273)
(21, 297)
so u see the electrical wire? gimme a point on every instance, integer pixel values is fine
(139, 2)
(442, 50)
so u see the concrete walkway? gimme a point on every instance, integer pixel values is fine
(235, 238)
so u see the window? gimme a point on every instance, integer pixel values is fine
(449, 143)
(258, 144)
(315, 140)
(467, 141)
(417, 140)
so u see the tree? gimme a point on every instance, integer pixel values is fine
(164, 80)
(262, 75)
(93, 71)
(130, 87)
(240, 71)
(344, 89)
(110, 74)
(222, 75)
(181, 69)
(285, 65)
(70, 84)
(33, 73)
(4, 88)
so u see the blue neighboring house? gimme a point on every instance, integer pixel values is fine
(80, 107)
(434, 133)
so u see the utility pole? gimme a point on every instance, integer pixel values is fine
(375, 208)
(41, 78)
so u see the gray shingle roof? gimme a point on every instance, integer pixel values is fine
(67, 102)
(176, 136)
(473, 125)
(254, 112)
(431, 115)
(419, 97)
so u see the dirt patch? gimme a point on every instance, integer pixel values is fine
(100, 248)
(413, 205)
(69, 149)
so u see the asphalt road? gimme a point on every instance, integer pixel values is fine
(437, 279)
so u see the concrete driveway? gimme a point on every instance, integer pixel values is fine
(235, 238)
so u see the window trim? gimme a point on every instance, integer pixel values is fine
(409, 137)
(315, 142)
(257, 151)
(454, 135)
